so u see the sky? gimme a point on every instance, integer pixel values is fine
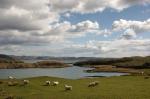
(75, 28)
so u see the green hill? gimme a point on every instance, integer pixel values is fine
(126, 62)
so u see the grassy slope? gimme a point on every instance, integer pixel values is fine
(124, 87)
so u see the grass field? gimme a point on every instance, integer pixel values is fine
(123, 87)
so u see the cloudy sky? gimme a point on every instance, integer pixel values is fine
(98, 28)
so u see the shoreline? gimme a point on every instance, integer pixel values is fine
(112, 69)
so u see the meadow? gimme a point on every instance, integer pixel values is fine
(123, 87)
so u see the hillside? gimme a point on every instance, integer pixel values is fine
(8, 59)
(126, 62)
(8, 62)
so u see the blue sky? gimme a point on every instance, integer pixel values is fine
(98, 28)
(106, 18)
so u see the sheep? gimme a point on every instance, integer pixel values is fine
(93, 84)
(10, 77)
(47, 83)
(68, 87)
(14, 83)
(25, 82)
(142, 73)
(55, 83)
(10, 83)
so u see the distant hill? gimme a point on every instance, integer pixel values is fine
(9, 62)
(8, 59)
(126, 62)
(64, 59)
(3, 57)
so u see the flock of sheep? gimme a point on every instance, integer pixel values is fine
(47, 83)
(12, 82)
(55, 83)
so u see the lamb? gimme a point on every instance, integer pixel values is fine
(55, 83)
(93, 84)
(25, 82)
(48, 83)
(10, 77)
(68, 87)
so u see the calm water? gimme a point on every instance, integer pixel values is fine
(69, 72)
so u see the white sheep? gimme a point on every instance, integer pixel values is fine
(142, 73)
(55, 83)
(68, 87)
(93, 84)
(25, 82)
(13, 83)
(10, 77)
(10, 83)
(47, 82)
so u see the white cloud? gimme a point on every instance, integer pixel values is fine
(26, 15)
(91, 6)
(85, 26)
(131, 28)
(58, 31)
(128, 34)
(137, 26)
(67, 15)
(36, 24)
(114, 48)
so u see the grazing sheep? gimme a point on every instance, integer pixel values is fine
(10, 77)
(142, 73)
(93, 84)
(55, 83)
(68, 87)
(10, 83)
(47, 83)
(25, 82)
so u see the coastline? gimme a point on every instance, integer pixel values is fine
(110, 68)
